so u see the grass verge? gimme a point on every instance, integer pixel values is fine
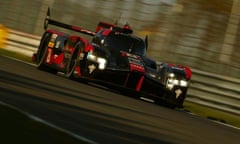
(213, 114)
(15, 55)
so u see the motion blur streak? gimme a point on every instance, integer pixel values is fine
(199, 33)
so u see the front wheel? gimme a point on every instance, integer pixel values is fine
(74, 61)
(41, 59)
(42, 51)
(71, 66)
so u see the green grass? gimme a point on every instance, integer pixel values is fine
(15, 55)
(194, 108)
(214, 114)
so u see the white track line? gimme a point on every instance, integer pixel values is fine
(49, 124)
(143, 98)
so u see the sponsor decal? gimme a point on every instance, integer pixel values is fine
(91, 68)
(48, 60)
(57, 44)
(134, 67)
(178, 92)
(51, 44)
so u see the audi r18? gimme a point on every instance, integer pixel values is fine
(114, 56)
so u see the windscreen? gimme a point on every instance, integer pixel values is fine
(122, 42)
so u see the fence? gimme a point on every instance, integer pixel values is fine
(215, 91)
(202, 34)
(22, 43)
(208, 89)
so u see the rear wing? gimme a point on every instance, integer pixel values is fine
(49, 21)
(101, 25)
(104, 25)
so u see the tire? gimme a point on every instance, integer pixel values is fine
(165, 102)
(41, 55)
(42, 51)
(73, 61)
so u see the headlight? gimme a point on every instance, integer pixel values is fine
(169, 85)
(102, 62)
(91, 57)
(183, 83)
(171, 75)
(174, 82)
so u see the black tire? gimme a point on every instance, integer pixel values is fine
(71, 65)
(42, 52)
(165, 102)
(73, 61)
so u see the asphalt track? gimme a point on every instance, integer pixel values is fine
(102, 116)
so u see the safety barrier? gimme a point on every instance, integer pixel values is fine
(215, 91)
(22, 43)
(207, 89)
(3, 35)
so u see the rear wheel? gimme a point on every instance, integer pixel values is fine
(42, 53)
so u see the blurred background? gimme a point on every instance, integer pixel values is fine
(202, 34)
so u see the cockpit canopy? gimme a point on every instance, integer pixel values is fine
(115, 41)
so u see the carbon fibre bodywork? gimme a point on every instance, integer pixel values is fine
(114, 56)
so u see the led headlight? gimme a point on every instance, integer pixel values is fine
(170, 83)
(91, 57)
(176, 82)
(171, 75)
(101, 63)
(183, 83)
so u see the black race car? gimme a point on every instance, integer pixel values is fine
(114, 56)
(165, 83)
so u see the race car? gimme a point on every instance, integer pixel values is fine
(114, 56)
(174, 78)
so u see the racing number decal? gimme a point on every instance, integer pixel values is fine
(178, 92)
(91, 68)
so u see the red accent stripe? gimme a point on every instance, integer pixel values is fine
(48, 59)
(139, 84)
(78, 70)
(59, 58)
(134, 67)
(106, 32)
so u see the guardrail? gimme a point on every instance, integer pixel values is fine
(215, 91)
(20, 42)
(3, 35)
(207, 89)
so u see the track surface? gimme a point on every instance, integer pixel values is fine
(101, 115)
